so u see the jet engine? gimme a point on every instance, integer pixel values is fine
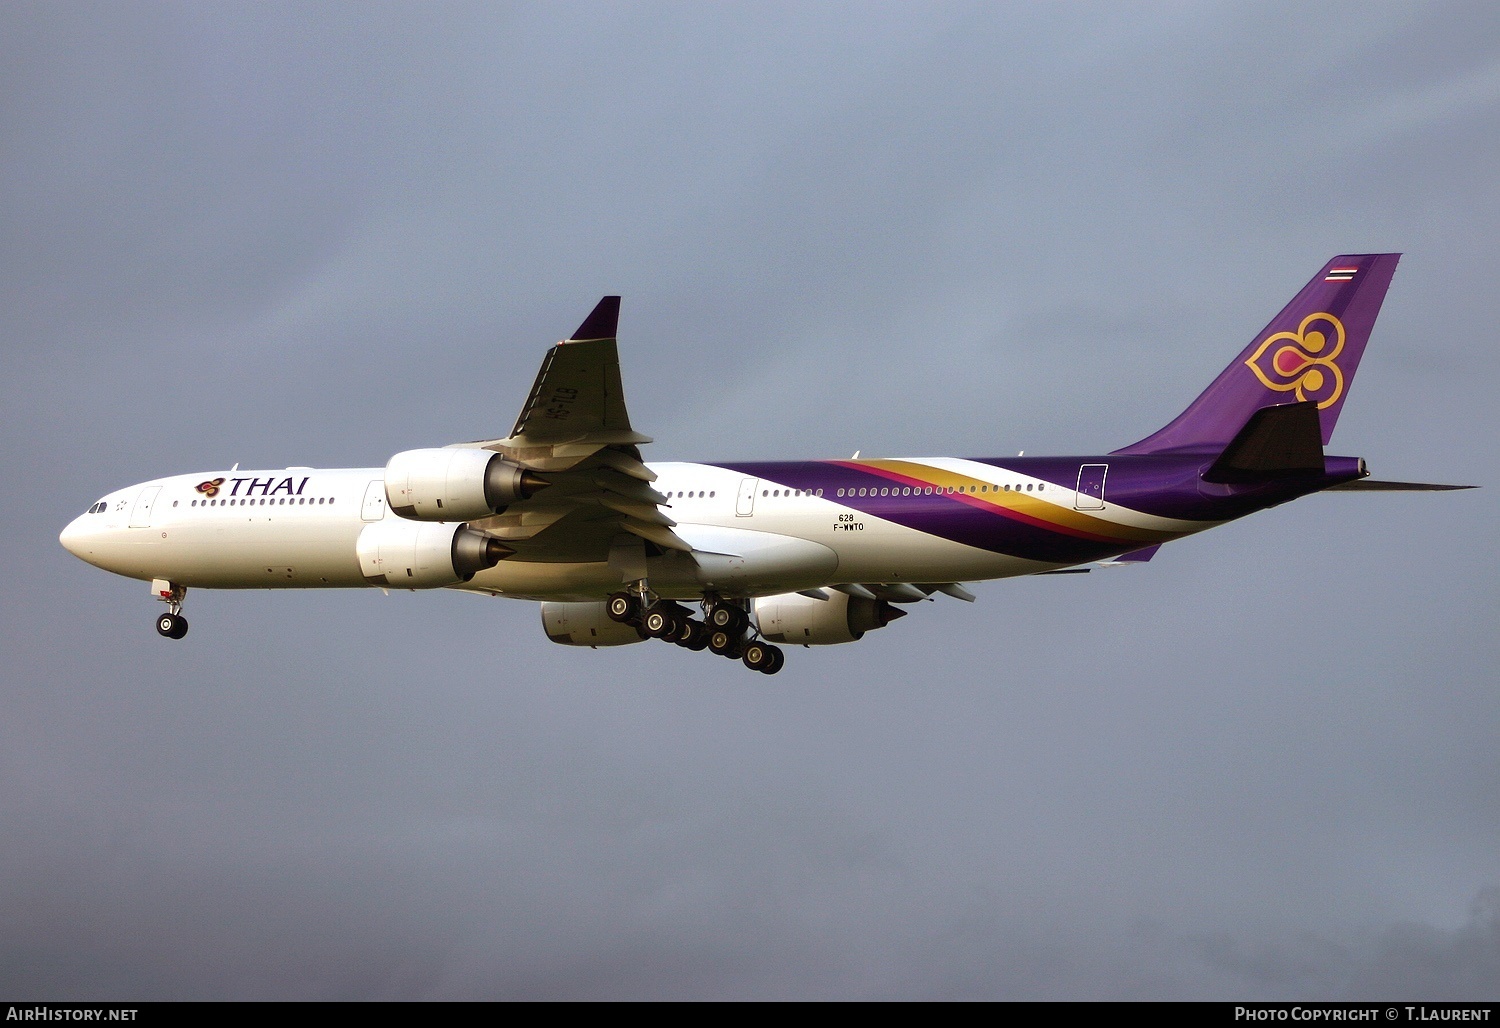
(460, 483)
(412, 555)
(805, 621)
(586, 624)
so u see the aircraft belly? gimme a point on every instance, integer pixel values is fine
(260, 552)
(729, 561)
(546, 580)
(886, 552)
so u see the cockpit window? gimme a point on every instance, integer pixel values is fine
(97, 508)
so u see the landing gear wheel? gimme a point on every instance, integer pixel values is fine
(725, 644)
(761, 656)
(728, 618)
(658, 622)
(622, 607)
(172, 626)
(778, 661)
(697, 636)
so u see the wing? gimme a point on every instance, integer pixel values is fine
(574, 433)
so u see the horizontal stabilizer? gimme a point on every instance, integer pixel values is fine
(1371, 485)
(1281, 440)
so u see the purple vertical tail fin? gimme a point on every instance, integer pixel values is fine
(1309, 351)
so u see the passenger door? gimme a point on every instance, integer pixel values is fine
(1090, 487)
(374, 507)
(744, 504)
(140, 514)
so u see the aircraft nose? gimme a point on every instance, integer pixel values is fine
(72, 538)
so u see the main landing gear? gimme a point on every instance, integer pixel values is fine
(172, 624)
(725, 628)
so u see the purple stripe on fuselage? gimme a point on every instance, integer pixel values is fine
(960, 519)
(1162, 485)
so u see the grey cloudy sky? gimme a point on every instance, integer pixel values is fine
(1264, 766)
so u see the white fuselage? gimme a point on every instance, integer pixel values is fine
(298, 528)
(255, 530)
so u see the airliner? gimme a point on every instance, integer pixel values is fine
(565, 511)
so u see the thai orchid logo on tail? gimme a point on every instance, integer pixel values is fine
(1307, 363)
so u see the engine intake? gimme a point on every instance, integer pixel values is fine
(455, 484)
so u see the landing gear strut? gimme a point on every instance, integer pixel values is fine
(172, 624)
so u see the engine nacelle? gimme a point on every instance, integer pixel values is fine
(414, 555)
(804, 621)
(585, 624)
(461, 483)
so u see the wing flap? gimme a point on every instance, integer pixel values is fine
(658, 534)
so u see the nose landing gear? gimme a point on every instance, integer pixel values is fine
(172, 624)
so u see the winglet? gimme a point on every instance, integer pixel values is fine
(602, 323)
